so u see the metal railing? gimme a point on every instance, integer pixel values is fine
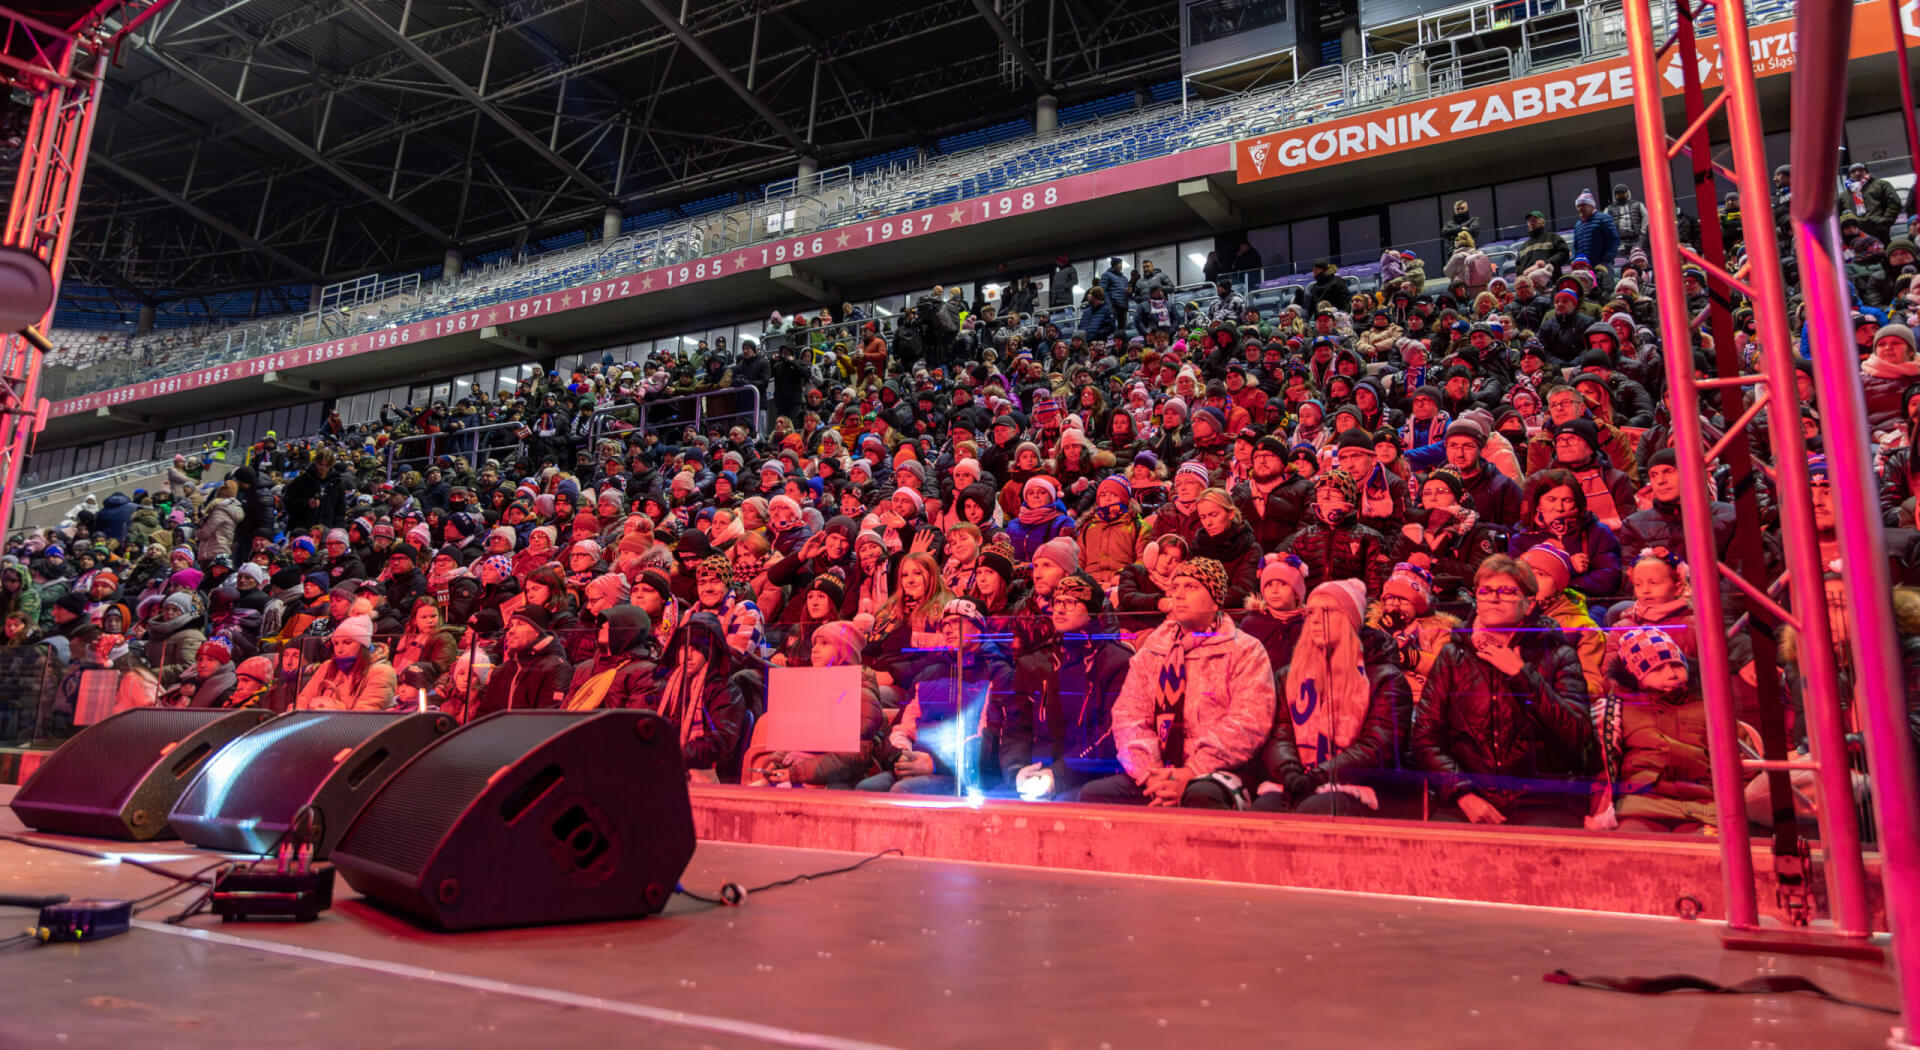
(683, 410)
(811, 184)
(476, 445)
(163, 453)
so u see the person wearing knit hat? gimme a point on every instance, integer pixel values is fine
(1338, 716)
(1211, 577)
(1176, 409)
(837, 643)
(495, 569)
(1332, 488)
(1215, 420)
(502, 540)
(1347, 597)
(1176, 748)
(536, 616)
(1282, 570)
(1411, 584)
(713, 582)
(1080, 588)
(354, 680)
(1553, 572)
(1061, 553)
(1469, 429)
(656, 581)
(583, 555)
(832, 586)
(604, 592)
(1644, 651)
(1194, 470)
(965, 610)
(253, 681)
(998, 559)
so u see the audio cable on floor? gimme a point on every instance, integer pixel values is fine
(733, 895)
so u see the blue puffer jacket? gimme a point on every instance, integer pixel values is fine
(1597, 238)
(1026, 539)
(113, 516)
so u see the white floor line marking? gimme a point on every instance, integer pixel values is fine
(656, 1014)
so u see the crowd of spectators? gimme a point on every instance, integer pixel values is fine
(1410, 552)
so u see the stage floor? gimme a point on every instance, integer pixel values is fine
(903, 953)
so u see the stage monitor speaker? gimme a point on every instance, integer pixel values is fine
(246, 798)
(525, 818)
(119, 778)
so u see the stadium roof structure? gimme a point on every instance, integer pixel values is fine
(263, 143)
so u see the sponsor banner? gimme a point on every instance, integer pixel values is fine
(1520, 103)
(1010, 204)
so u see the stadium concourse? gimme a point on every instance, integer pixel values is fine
(1382, 564)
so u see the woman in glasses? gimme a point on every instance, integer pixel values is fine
(1502, 728)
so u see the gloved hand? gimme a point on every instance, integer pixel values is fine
(1034, 781)
(1300, 785)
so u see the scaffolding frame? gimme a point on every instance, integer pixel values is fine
(1819, 110)
(64, 70)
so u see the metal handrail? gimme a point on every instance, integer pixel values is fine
(467, 437)
(163, 455)
(602, 422)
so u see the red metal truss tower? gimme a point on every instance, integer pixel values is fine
(62, 68)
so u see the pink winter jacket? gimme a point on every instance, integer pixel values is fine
(1228, 708)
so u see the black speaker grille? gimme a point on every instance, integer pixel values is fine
(295, 753)
(98, 768)
(406, 821)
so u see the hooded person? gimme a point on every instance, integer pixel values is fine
(354, 678)
(622, 672)
(174, 637)
(696, 694)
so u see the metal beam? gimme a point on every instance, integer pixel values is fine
(206, 217)
(292, 142)
(712, 61)
(495, 113)
(1007, 40)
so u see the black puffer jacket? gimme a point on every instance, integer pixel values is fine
(1345, 552)
(540, 677)
(1377, 747)
(1239, 553)
(1659, 526)
(1477, 730)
